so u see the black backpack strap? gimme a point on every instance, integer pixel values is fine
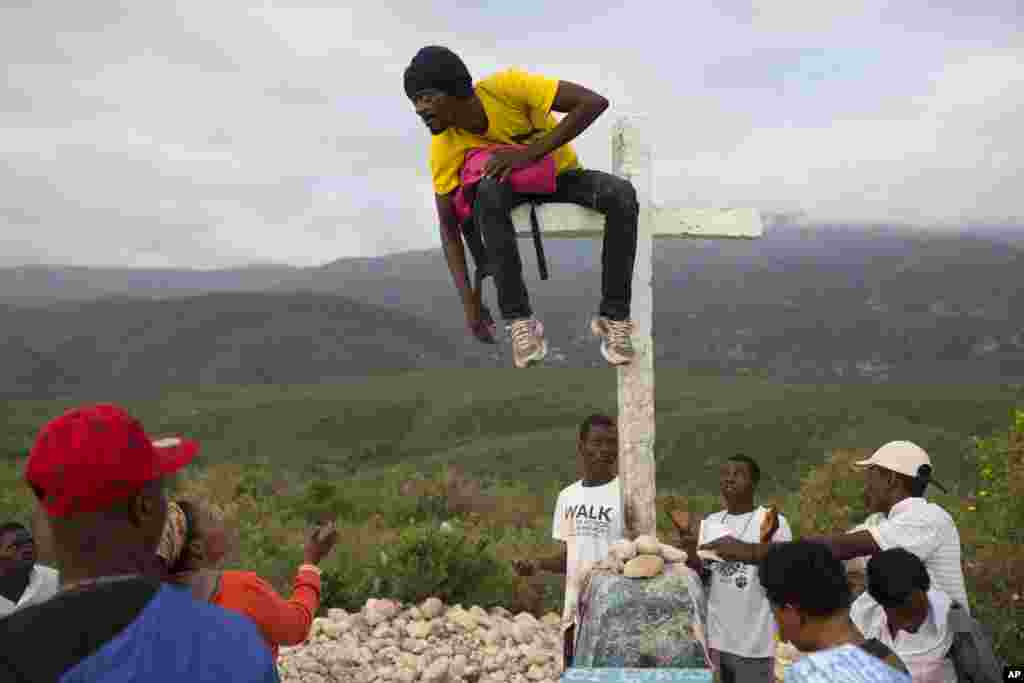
(542, 263)
(971, 652)
(876, 647)
(478, 250)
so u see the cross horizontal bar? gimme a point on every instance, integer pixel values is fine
(565, 221)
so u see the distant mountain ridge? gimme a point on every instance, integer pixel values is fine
(43, 285)
(130, 346)
(805, 303)
(46, 285)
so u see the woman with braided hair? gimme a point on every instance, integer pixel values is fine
(195, 543)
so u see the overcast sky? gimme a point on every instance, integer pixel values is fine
(219, 133)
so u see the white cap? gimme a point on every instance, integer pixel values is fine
(904, 457)
(899, 456)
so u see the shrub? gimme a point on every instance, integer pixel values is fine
(996, 508)
(831, 496)
(259, 482)
(16, 500)
(323, 500)
(349, 572)
(344, 583)
(990, 530)
(447, 564)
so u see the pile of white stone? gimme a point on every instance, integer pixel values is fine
(643, 558)
(389, 642)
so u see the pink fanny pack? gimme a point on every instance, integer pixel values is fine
(537, 178)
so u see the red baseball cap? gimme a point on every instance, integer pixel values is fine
(95, 455)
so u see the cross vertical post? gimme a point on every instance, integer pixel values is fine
(631, 159)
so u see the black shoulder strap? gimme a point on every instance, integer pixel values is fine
(876, 647)
(959, 619)
(882, 652)
(542, 262)
(478, 250)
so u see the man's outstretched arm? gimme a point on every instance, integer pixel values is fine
(843, 546)
(451, 242)
(848, 546)
(455, 256)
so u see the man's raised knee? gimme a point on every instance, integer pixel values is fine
(621, 193)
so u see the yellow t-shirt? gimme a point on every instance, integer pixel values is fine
(518, 106)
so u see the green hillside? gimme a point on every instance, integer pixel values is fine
(520, 426)
(276, 457)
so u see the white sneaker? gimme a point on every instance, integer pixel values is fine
(616, 339)
(528, 344)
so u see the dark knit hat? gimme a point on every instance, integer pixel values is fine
(439, 68)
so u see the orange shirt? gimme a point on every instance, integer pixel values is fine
(282, 622)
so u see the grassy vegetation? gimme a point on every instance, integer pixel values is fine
(514, 426)
(392, 457)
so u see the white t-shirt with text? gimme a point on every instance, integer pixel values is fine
(740, 619)
(589, 520)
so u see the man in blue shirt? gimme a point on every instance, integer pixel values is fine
(100, 481)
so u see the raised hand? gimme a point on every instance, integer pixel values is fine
(8, 551)
(683, 523)
(727, 548)
(320, 542)
(524, 567)
(479, 321)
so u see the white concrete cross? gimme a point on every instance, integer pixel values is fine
(631, 159)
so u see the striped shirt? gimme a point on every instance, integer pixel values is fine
(843, 664)
(926, 530)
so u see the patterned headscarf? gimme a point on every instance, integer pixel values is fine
(175, 534)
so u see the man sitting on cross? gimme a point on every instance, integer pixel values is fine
(513, 109)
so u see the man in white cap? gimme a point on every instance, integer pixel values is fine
(895, 479)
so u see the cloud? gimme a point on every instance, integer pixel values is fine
(806, 16)
(947, 158)
(217, 134)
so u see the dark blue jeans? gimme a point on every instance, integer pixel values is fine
(608, 194)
